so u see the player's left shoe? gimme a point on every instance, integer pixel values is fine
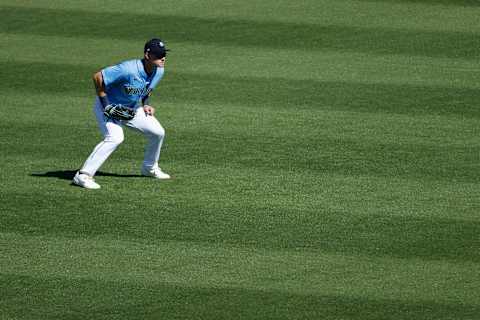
(155, 172)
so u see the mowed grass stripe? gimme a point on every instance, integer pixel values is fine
(239, 61)
(451, 15)
(322, 191)
(292, 152)
(452, 3)
(262, 91)
(356, 196)
(293, 271)
(93, 299)
(269, 123)
(315, 220)
(75, 23)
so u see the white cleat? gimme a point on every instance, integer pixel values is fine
(85, 181)
(155, 172)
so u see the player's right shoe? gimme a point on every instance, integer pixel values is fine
(85, 181)
(155, 172)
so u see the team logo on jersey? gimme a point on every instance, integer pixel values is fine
(135, 91)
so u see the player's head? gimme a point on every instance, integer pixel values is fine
(155, 50)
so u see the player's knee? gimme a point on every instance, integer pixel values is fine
(115, 139)
(158, 133)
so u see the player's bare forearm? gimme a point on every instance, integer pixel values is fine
(99, 85)
(100, 89)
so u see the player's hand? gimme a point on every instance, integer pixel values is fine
(149, 110)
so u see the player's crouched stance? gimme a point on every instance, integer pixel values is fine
(123, 91)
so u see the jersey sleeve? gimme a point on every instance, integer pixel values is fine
(114, 74)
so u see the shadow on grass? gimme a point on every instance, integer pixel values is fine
(69, 174)
(156, 300)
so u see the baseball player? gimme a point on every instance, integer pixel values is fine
(123, 91)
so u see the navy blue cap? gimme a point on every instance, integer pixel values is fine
(156, 47)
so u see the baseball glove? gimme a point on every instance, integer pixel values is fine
(119, 112)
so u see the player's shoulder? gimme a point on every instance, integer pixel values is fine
(131, 64)
(125, 65)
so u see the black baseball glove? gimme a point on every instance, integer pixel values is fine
(119, 112)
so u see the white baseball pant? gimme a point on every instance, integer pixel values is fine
(113, 136)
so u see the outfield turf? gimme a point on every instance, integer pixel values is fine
(325, 154)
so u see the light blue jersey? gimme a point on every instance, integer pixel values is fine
(127, 82)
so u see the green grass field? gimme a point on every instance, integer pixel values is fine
(326, 156)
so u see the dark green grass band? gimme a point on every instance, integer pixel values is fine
(247, 33)
(89, 299)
